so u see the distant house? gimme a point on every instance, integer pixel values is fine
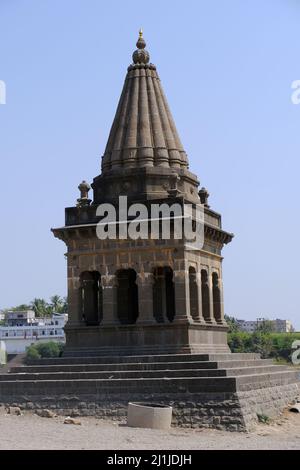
(280, 326)
(19, 318)
(20, 332)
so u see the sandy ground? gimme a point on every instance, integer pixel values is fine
(30, 431)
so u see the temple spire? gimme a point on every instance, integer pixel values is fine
(143, 132)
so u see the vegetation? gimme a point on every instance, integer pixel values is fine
(48, 349)
(263, 340)
(232, 324)
(263, 418)
(42, 308)
(268, 344)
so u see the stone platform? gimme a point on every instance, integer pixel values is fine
(144, 339)
(223, 391)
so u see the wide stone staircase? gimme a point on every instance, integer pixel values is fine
(215, 390)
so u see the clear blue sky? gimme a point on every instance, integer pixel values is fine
(226, 67)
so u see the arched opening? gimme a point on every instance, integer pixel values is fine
(205, 295)
(216, 298)
(163, 295)
(91, 297)
(193, 288)
(127, 296)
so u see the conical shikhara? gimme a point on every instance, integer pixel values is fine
(146, 316)
(143, 131)
(144, 151)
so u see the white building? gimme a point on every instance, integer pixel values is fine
(19, 318)
(283, 326)
(280, 326)
(247, 325)
(18, 338)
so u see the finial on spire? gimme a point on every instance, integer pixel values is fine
(141, 56)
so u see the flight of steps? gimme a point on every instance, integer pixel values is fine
(204, 389)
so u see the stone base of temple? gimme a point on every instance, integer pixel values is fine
(222, 391)
(173, 338)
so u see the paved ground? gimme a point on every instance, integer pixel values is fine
(30, 431)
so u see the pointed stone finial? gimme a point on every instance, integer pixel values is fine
(84, 188)
(141, 56)
(141, 44)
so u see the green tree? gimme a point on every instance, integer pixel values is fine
(32, 352)
(232, 324)
(59, 304)
(47, 349)
(266, 326)
(64, 308)
(56, 303)
(41, 308)
(21, 307)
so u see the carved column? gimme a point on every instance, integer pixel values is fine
(200, 315)
(182, 297)
(206, 296)
(145, 295)
(109, 296)
(211, 297)
(223, 322)
(74, 301)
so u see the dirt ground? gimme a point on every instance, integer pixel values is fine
(30, 431)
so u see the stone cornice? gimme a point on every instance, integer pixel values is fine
(67, 232)
(217, 234)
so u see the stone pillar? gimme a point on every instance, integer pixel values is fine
(145, 295)
(222, 301)
(211, 297)
(74, 301)
(182, 297)
(109, 296)
(206, 301)
(198, 281)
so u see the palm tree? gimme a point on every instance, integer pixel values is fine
(64, 308)
(20, 307)
(40, 307)
(56, 303)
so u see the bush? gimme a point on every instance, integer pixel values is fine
(32, 352)
(49, 349)
(276, 345)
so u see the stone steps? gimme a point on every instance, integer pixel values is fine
(119, 374)
(116, 374)
(96, 387)
(141, 366)
(223, 390)
(145, 359)
(268, 380)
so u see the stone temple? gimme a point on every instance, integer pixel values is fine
(150, 295)
(146, 317)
